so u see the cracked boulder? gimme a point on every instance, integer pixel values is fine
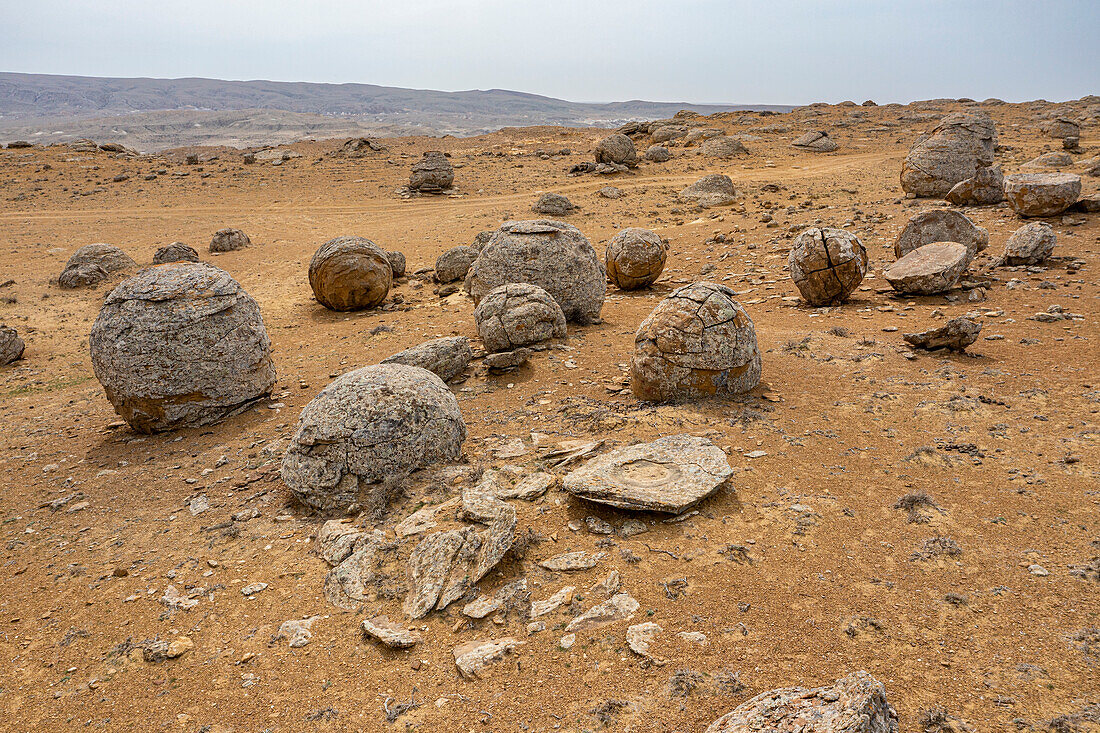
(432, 174)
(670, 475)
(517, 314)
(617, 149)
(1042, 194)
(228, 240)
(941, 225)
(453, 264)
(179, 345)
(368, 430)
(984, 188)
(445, 357)
(1030, 244)
(960, 145)
(955, 335)
(933, 268)
(713, 190)
(697, 342)
(635, 258)
(553, 255)
(827, 264)
(350, 273)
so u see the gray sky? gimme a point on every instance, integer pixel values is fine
(763, 51)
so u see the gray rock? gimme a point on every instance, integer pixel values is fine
(985, 187)
(445, 357)
(698, 341)
(1063, 127)
(1088, 204)
(453, 264)
(392, 634)
(1042, 194)
(570, 561)
(827, 265)
(473, 658)
(432, 174)
(1049, 160)
(228, 240)
(507, 594)
(107, 256)
(551, 254)
(517, 314)
(958, 147)
(397, 263)
(701, 135)
(713, 190)
(933, 268)
(816, 140)
(853, 704)
(635, 258)
(668, 132)
(367, 429)
(941, 225)
(657, 154)
(553, 204)
(82, 276)
(611, 192)
(620, 607)
(1030, 244)
(350, 273)
(181, 344)
(723, 147)
(11, 346)
(504, 361)
(955, 335)
(670, 475)
(617, 149)
(175, 252)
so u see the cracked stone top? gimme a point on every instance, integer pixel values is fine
(827, 264)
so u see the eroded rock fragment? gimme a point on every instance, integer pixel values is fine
(620, 607)
(350, 273)
(1042, 194)
(473, 658)
(955, 335)
(392, 634)
(940, 225)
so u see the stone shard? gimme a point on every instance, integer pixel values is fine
(350, 273)
(228, 240)
(670, 475)
(473, 658)
(432, 174)
(635, 258)
(503, 361)
(568, 561)
(482, 606)
(297, 632)
(429, 566)
(11, 346)
(562, 598)
(348, 583)
(940, 225)
(827, 264)
(392, 634)
(1042, 194)
(445, 357)
(713, 190)
(423, 519)
(933, 268)
(853, 704)
(956, 149)
(955, 335)
(620, 607)
(1030, 244)
(984, 188)
(640, 636)
(518, 314)
(529, 487)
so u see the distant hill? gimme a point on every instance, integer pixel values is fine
(48, 108)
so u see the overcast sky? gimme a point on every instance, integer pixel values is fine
(737, 51)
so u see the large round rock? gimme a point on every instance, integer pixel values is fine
(1042, 194)
(367, 430)
(181, 344)
(175, 252)
(109, 257)
(453, 264)
(956, 149)
(698, 341)
(1030, 244)
(350, 273)
(551, 254)
(635, 258)
(432, 174)
(229, 240)
(941, 225)
(827, 264)
(516, 315)
(617, 149)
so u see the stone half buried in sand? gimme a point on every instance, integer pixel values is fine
(853, 704)
(713, 190)
(474, 657)
(955, 335)
(671, 475)
(393, 635)
(933, 268)
(445, 357)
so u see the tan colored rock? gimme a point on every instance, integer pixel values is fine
(453, 264)
(620, 607)
(827, 264)
(723, 147)
(445, 357)
(1030, 244)
(350, 273)
(1042, 194)
(635, 258)
(955, 335)
(657, 154)
(517, 314)
(570, 561)
(817, 141)
(713, 190)
(392, 634)
(940, 225)
(985, 187)
(474, 658)
(228, 240)
(933, 268)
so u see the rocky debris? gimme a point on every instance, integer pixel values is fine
(253, 588)
(1042, 194)
(955, 335)
(620, 607)
(1049, 160)
(617, 149)
(175, 252)
(1053, 314)
(445, 357)
(611, 192)
(19, 144)
(956, 150)
(391, 634)
(698, 341)
(507, 594)
(527, 488)
(827, 264)
(569, 561)
(985, 187)
(350, 273)
(640, 636)
(817, 140)
(671, 475)
(1063, 127)
(504, 361)
(473, 658)
(853, 704)
(397, 263)
(561, 598)
(158, 651)
(11, 346)
(1030, 244)
(181, 344)
(657, 154)
(176, 601)
(297, 632)
(517, 314)
(1088, 204)
(635, 258)
(432, 174)
(81, 276)
(453, 264)
(366, 430)
(551, 254)
(228, 240)
(92, 264)
(553, 204)
(941, 225)
(713, 190)
(933, 268)
(355, 556)
(723, 147)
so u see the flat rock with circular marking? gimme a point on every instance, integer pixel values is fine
(933, 268)
(671, 475)
(1042, 194)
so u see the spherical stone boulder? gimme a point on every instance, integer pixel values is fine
(933, 268)
(453, 264)
(697, 342)
(551, 254)
(1042, 194)
(985, 187)
(713, 190)
(367, 430)
(397, 263)
(941, 225)
(962, 143)
(617, 149)
(723, 147)
(181, 344)
(175, 252)
(350, 273)
(82, 276)
(635, 258)
(1030, 244)
(827, 265)
(107, 256)
(553, 204)
(432, 174)
(657, 154)
(517, 314)
(11, 346)
(229, 240)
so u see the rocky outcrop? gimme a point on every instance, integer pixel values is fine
(955, 335)
(432, 174)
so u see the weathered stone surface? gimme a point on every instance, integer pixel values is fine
(430, 566)
(517, 314)
(432, 174)
(358, 147)
(611, 192)
(350, 273)
(445, 357)
(620, 607)
(423, 519)
(473, 658)
(853, 704)
(713, 190)
(392, 634)
(635, 258)
(1042, 194)
(175, 252)
(553, 204)
(1030, 244)
(827, 264)
(933, 268)
(958, 147)
(985, 187)
(617, 149)
(554, 602)
(640, 636)
(569, 561)
(723, 147)
(181, 344)
(228, 240)
(110, 258)
(453, 264)
(817, 140)
(1088, 204)
(397, 263)
(664, 133)
(551, 254)
(503, 361)
(297, 632)
(369, 428)
(11, 346)
(698, 341)
(941, 225)
(354, 557)
(509, 593)
(657, 154)
(671, 475)
(1049, 160)
(702, 134)
(82, 276)
(955, 335)
(1063, 127)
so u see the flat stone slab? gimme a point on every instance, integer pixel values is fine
(1042, 194)
(933, 268)
(620, 607)
(579, 560)
(670, 475)
(474, 657)
(393, 635)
